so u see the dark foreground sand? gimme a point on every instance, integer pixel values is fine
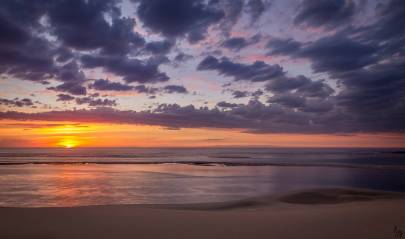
(327, 213)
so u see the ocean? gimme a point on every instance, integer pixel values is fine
(56, 177)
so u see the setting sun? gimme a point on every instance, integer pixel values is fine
(68, 143)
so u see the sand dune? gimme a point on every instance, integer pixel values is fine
(329, 213)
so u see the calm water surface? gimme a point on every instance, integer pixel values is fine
(61, 177)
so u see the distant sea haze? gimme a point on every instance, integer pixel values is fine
(93, 176)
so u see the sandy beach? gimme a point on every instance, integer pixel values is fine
(324, 213)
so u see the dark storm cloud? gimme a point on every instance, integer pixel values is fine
(325, 13)
(233, 10)
(280, 46)
(30, 59)
(303, 103)
(254, 117)
(390, 16)
(316, 89)
(379, 88)
(23, 13)
(178, 18)
(82, 25)
(70, 87)
(71, 72)
(102, 84)
(289, 100)
(65, 97)
(256, 94)
(159, 47)
(63, 54)
(256, 72)
(338, 53)
(283, 84)
(367, 62)
(318, 106)
(73, 79)
(240, 94)
(16, 102)
(256, 8)
(132, 70)
(11, 32)
(175, 89)
(335, 53)
(53, 42)
(78, 25)
(301, 84)
(237, 43)
(106, 85)
(192, 18)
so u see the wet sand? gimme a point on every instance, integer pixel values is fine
(323, 213)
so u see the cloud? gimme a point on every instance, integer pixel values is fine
(182, 57)
(143, 89)
(159, 47)
(254, 117)
(180, 18)
(233, 10)
(390, 15)
(83, 26)
(300, 84)
(325, 13)
(224, 104)
(284, 84)
(281, 46)
(132, 70)
(318, 106)
(240, 94)
(146, 90)
(175, 89)
(367, 63)
(316, 89)
(16, 102)
(338, 53)
(57, 43)
(104, 85)
(289, 100)
(70, 87)
(95, 102)
(256, 8)
(237, 43)
(11, 32)
(29, 58)
(64, 97)
(42, 34)
(256, 72)
(329, 54)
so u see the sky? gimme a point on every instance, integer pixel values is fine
(188, 73)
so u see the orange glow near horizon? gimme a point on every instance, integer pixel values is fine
(69, 143)
(70, 135)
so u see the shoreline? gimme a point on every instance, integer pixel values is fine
(321, 213)
(315, 196)
(208, 163)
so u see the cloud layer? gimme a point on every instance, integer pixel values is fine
(253, 65)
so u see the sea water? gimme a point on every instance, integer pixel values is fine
(56, 177)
